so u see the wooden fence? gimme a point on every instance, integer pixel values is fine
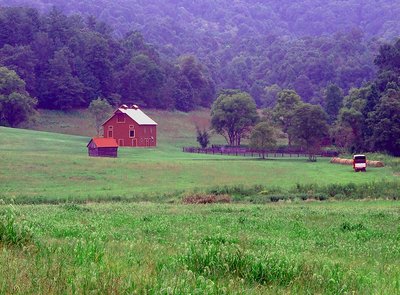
(247, 152)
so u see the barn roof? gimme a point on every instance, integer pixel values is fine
(135, 114)
(104, 142)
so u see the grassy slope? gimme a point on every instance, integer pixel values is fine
(50, 165)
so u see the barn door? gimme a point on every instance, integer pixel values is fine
(134, 142)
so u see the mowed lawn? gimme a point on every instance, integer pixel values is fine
(51, 165)
(349, 247)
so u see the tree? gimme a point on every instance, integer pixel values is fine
(333, 101)
(100, 109)
(60, 89)
(263, 137)
(233, 114)
(287, 103)
(16, 106)
(271, 95)
(308, 128)
(385, 124)
(203, 137)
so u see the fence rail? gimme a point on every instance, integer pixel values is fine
(247, 152)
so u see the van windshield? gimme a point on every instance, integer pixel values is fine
(360, 159)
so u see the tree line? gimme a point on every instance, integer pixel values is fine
(260, 48)
(367, 119)
(68, 61)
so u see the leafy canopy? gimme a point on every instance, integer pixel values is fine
(233, 114)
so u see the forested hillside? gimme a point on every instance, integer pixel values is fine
(253, 45)
(66, 62)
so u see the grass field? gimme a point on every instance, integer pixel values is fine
(54, 166)
(154, 244)
(315, 248)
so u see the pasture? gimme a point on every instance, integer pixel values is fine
(50, 166)
(119, 226)
(315, 248)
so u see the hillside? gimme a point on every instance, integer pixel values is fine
(304, 45)
(164, 21)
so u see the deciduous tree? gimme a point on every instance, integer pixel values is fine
(100, 110)
(308, 128)
(233, 114)
(16, 106)
(263, 137)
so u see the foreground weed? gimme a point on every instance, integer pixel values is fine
(12, 231)
(217, 258)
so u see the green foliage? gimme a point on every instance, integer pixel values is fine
(15, 105)
(333, 101)
(263, 137)
(233, 43)
(12, 231)
(100, 109)
(283, 112)
(203, 137)
(309, 128)
(68, 61)
(232, 115)
(385, 123)
(370, 112)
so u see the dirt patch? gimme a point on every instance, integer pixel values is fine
(206, 199)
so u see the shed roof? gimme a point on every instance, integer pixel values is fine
(135, 114)
(104, 142)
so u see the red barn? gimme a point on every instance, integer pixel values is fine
(103, 147)
(131, 127)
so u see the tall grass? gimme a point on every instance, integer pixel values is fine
(14, 232)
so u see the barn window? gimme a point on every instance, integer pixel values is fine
(120, 118)
(131, 133)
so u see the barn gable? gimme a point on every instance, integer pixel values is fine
(135, 114)
(131, 127)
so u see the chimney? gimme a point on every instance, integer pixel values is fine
(124, 106)
(135, 107)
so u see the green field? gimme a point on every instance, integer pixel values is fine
(142, 239)
(314, 248)
(55, 166)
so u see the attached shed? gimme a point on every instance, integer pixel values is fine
(103, 147)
